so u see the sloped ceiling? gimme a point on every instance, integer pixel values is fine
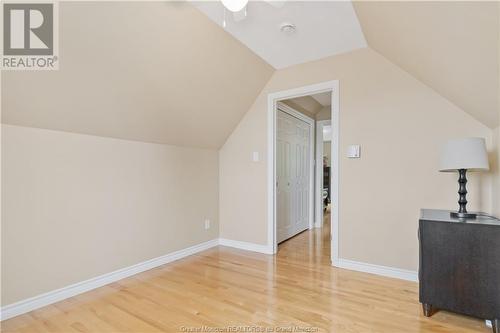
(310, 105)
(451, 46)
(152, 71)
(305, 105)
(325, 99)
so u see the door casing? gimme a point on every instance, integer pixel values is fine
(272, 100)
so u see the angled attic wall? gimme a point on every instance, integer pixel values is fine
(400, 124)
(451, 46)
(78, 206)
(151, 71)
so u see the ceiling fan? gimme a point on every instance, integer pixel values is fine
(239, 8)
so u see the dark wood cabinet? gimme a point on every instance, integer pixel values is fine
(460, 265)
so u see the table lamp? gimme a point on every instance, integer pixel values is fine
(462, 155)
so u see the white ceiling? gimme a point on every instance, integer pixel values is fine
(324, 28)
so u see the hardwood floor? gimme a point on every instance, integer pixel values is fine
(224, 287)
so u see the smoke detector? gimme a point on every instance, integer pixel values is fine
(288, 28)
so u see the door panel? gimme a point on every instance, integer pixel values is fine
(292, 172)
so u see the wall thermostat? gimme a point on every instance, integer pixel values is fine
(354, 151)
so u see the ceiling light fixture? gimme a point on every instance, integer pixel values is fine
(234, 5)
(288, 28)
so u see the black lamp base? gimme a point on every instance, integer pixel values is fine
(462, 199)
(458, 215)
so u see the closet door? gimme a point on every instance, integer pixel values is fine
(301, 177)
(292, 175)
(284, 147)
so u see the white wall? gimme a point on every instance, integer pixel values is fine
(400, 124)
(78, 206)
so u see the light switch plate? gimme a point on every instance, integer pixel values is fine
(354, 151)
(207, 224)
(255, 156)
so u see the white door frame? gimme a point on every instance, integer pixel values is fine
(272, 100)
(291, 111)
(318, 203)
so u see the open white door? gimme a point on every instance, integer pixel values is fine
(293, 148)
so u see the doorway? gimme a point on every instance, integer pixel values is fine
(323, 174)
(275, 158)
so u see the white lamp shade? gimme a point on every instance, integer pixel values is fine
(468, 153)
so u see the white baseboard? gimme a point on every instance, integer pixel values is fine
(246, 246)
(377, 269)
(39, 301)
